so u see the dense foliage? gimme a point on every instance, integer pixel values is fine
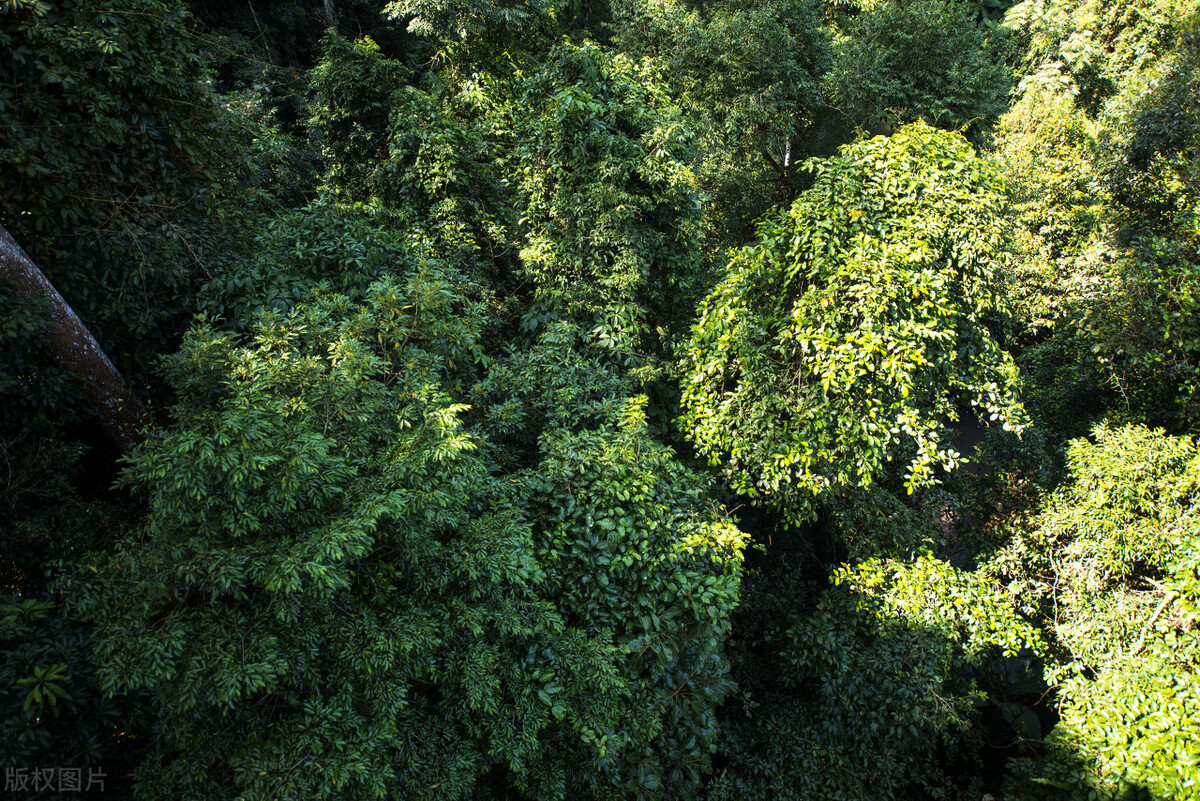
(687, 399)
(921, 60)
(326, 553)
(748, 76)
(610, 230)
(114, 150)
(1114, 562)
(872, 687)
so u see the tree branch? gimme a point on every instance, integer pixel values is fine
(122, 415)
(1141, 643)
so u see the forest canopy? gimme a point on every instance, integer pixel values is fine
(543, 400)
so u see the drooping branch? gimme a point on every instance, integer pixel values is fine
(122, 415)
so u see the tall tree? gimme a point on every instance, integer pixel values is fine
(843, 341)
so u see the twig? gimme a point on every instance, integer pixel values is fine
(1141, 643)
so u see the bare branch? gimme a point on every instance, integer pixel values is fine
(122, 415)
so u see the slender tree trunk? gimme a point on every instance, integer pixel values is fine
(122, 415)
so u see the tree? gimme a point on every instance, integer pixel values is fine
(870, 685)
(748, 76)
(1113, 566)
(1045, 143)
(1143, 310)
(634, 541)
(114, 150)
(330, 597)
(352, 106)
(1111, 117)
(843, 341)
(898, 62)
(334, 596)
(634, 544)
(610, 217)
(471, 33)
(1088, 49)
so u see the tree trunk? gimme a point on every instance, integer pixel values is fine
(122, 415)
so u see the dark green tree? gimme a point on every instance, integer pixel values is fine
(1102, 145)
(748, 76)
(866, 689)
(333, 597)
(1144, 309)
(114, 150)
(353, 88)
(898, 62)
(610, 222)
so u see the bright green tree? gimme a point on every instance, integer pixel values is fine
(1113, 566)
(1045, 143)
(841, 344)
(1089, 48)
